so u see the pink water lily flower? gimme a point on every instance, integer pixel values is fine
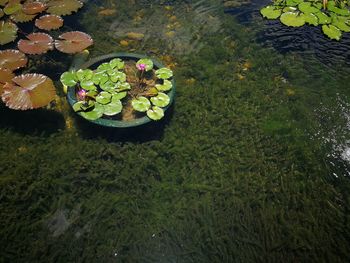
(81, 94)
(141, 67)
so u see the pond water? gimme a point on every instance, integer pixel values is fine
(250, 165)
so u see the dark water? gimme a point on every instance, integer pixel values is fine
(251, 164)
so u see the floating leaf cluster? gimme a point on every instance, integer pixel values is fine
(104, 92)
(13, 12)
(333, 16)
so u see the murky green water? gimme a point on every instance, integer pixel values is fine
(251, 165)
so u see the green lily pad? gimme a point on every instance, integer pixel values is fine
(116, 63)
(108, 86)
(155, 113)
(289, 9)
(167, 85)
(292, 19)
(341, 24)
(147, 62)
(307, 8)
(12, 8)
(88, 85)
(100, 78)
(339, 11)
(118, 76)
(103, 67)
(8, 32)
(270, 12)
(68, 79)
(104, 97)
(94, 114)
(91, 93)
(323, 18)
(141, 104)
(113, 108)
(332, 32)
(164, 73)
(161, 100)
(123, 86)
(311, 19)
(83, 105)
(119, 95)
(84, 74)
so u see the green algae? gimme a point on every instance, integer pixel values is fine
(233, 176)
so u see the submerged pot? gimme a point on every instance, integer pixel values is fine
(92, 64)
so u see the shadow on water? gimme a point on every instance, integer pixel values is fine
(144, 133)
(31, 122)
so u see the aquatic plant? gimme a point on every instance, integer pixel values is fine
(333, 16)
(118, 86)
(13, 12)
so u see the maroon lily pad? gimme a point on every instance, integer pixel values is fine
(6, 75)
(28, 91)
(37, 43)
(12, 59)
(49, 22)
(73, 42)
(32, 8)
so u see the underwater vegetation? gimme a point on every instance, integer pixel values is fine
(333, 16)
(31, 91)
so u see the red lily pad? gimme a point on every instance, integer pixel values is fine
(63, 7)
(28, 91)
(73, 42)
(49, 22)
(6, 75)
(37, 43)
(12, 59)
(33, 8)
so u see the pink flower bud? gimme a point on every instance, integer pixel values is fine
(141, 67)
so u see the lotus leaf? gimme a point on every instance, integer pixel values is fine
(116, 63)
(123, 86)
(12, 59)
(88, 85)
(167, 85)
(119, 95)
(293, 19)
(141, 104)
(100, 78)
(63, 7)
(113, 108)
(323, 18)
(94, 114)
(118, 76)
(12, 8)
(84, 74)
(49, 22)
(8, 32)
(104, 97)
(73, 42)
(69, 79)
(147, 62)
(83, 105)
(270, 12)
(331, 31)
(311, 19)
(307, 8)
(108, 86)
(36, 43)
(155, 113)
(161, 100)
(164, 73)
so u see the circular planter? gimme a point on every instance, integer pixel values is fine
(93, 64)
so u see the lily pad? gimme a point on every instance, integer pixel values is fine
(119, 95)
(155, 113)
(69, 79)
(104, 67)
(293, 2)
(104, 97)
(161, 100)
(118, 76)
(164, 73)
(332, 32)
(88, 85)
(292, 19)
(83, 105)
(116, 63)
(100, 78)
(307, 8)
(123, 86)
(12, 8)
(141, 104)
(94, 114)
(270, 12)
(8, 32)
(311, 19)
(323, 18)
(167, 85)
(108, 86)
(113, 108)
(147, 62)
(341, 24)
(84, 74)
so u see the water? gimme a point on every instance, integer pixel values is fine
(251, 165)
